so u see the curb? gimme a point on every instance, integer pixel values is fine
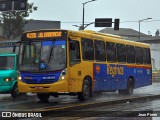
(98, 104)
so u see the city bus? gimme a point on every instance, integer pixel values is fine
(8, 67)
(58, 62)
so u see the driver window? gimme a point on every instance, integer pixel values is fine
(74, 52)
(29, 53)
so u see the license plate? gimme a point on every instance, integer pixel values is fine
(39, 88)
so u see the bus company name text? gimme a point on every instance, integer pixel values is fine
(114, 70)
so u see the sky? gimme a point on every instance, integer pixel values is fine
(69, 12)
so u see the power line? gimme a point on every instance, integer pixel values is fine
(120, 22)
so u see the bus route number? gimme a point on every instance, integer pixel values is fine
(31, 35)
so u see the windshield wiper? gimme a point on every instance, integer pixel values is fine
(50, 54)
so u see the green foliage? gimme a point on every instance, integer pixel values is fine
(13, 21)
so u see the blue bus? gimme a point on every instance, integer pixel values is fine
(58, 62)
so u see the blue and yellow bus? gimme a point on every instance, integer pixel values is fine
(54, 62)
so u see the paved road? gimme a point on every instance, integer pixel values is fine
(30, 103)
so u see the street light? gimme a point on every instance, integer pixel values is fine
(83, 12)
(140, 26)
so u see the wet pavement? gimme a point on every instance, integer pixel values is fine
(31, 103)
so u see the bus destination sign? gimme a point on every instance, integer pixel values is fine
(45, 34)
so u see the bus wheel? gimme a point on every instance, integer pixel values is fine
(43, 97)
(14, 92)
(86, 91)
(129, 90)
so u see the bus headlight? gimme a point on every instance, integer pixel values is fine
(7, 79)
(19, 76)
(63, 74)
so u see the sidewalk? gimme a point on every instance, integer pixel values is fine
(148, 92)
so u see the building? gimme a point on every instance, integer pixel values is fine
(126, 33)
(154, 42)
(41, 24)
(133, 35)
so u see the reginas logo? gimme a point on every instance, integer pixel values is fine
(114, 70)
(98, 69)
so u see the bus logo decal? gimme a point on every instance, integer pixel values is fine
(98, 69)
(114, 70)
(42, 65)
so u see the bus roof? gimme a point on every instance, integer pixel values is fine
(98, 36)
(102, 34)
(108, 38)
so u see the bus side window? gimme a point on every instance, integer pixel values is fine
(87, 49)
(121, 52)
(139, 55)
(146, 56)
(111, 51)
(130, 54)
(74, 50)
(100, 54)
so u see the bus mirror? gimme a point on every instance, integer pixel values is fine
(72, 46)
(15, 44)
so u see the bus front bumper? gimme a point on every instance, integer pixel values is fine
(60, 86)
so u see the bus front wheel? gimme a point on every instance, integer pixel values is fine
(43, 97)
(86, 91)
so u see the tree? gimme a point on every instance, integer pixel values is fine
(13, 21)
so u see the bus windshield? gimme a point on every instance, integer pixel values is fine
(7, 62)
(42, 56)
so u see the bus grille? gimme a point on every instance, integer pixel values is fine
(33, 81)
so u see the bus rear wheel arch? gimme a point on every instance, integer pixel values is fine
(86, 89)
(130, 87)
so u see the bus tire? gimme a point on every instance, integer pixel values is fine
(14, 91)
(43, 97)
(86, 91)
(129, 90)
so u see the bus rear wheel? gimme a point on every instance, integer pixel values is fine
(129, 90)
(86, 91)
(130, 86)
(43, 97)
